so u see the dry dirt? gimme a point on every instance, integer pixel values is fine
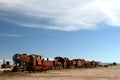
(101, 73)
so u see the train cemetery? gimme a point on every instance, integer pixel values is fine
(35, 67)
(35, 63)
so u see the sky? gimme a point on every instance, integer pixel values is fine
(85, 29)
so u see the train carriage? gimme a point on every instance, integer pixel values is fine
(35, 63)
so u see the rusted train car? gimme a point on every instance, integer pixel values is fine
(82, 63)
(32, 63)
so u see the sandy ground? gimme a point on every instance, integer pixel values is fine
(106, 73)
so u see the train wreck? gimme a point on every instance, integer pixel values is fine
(36, 63)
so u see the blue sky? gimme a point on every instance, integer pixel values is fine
(70, 28)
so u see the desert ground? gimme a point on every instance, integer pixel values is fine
(100, 73)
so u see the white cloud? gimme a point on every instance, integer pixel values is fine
(1, 60)
(67, 15)
(10, 35)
